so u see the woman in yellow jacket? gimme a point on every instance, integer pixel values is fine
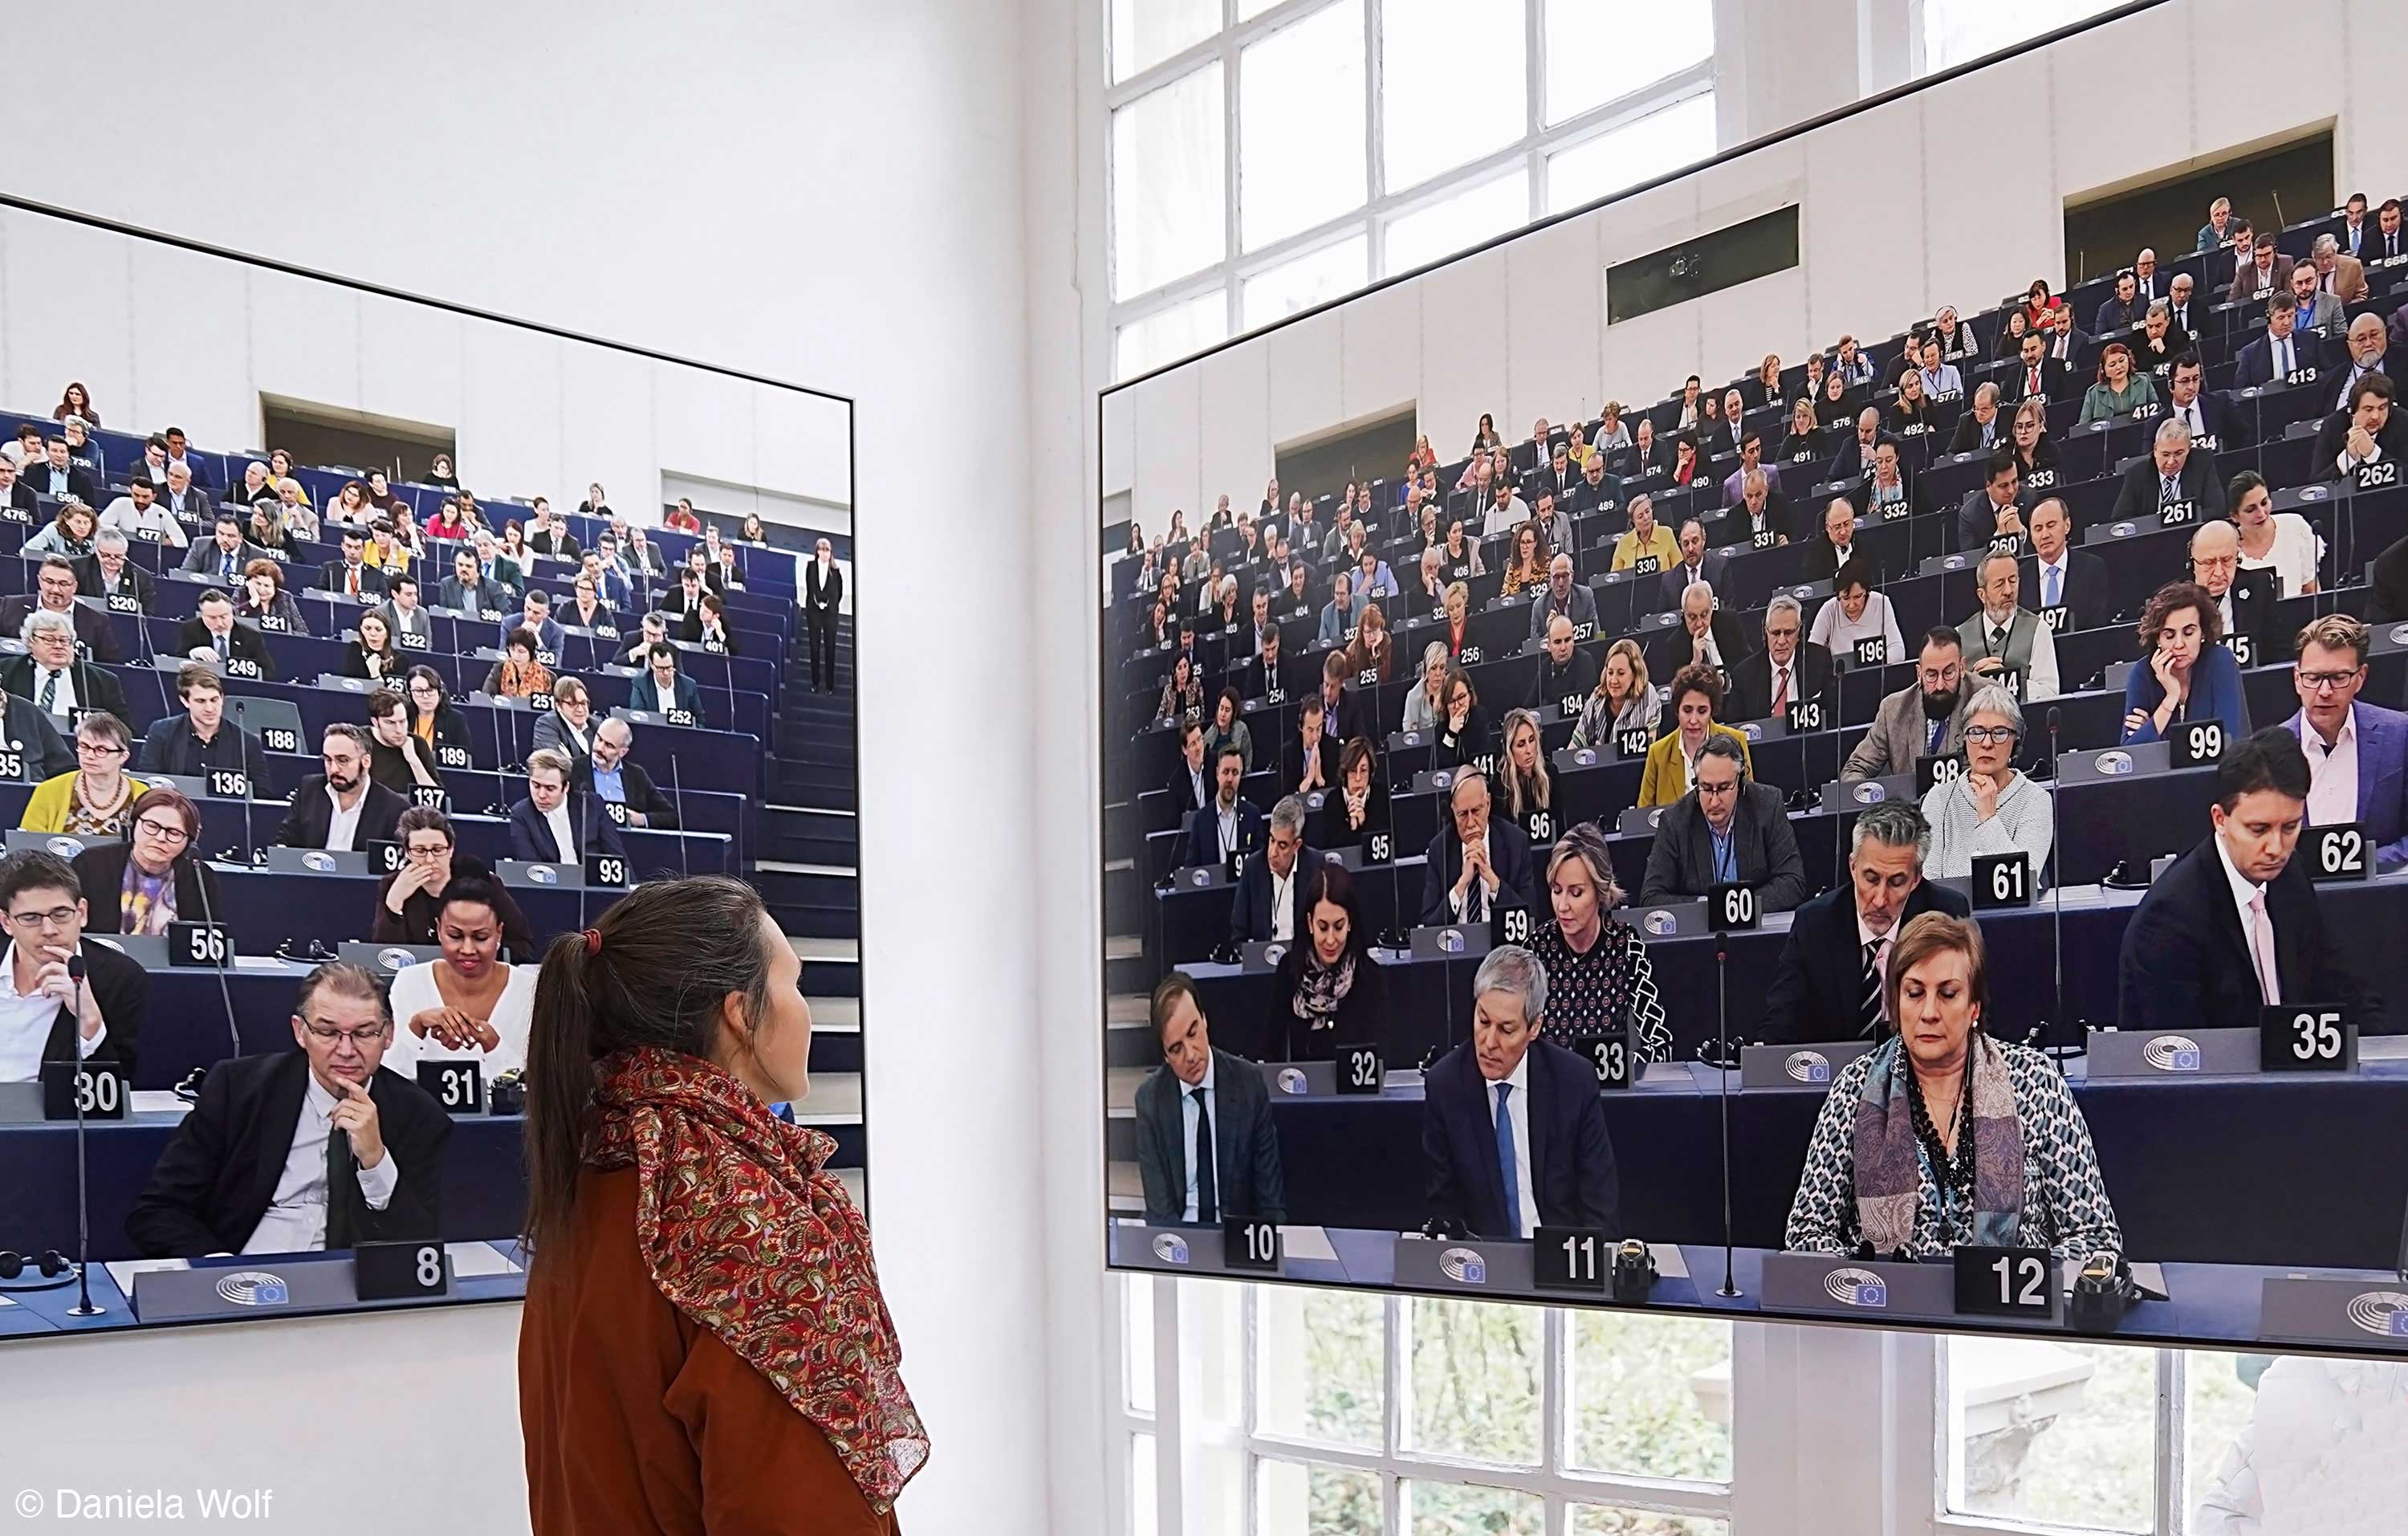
(1697, 697)
(98, 798)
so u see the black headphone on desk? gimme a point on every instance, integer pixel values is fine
(54, 1266)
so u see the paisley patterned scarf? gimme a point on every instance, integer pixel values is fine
(1889, 1171)
(746, 1234)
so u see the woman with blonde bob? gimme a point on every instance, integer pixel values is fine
(1944, 1137)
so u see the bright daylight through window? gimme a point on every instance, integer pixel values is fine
(1329, 185)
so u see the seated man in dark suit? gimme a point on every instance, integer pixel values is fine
(1995, 508)
(15, 495)
(1309, 759)
(1207, 1150)
(2060, 576)
(106, 573)
(1228, 824)
(2036, 376)
(1512, 1126)
(2234, 922)
(1191, 780)
(2244, 599)
(353, 575)
(200, 738)
(2369, 432)
(2270, 360)
(1697, 565)
(56, 476)
(47, 1015)
(53, 677)
(1788, 668)
(1269, 675)
(610, 776)
(547, 828)
(227, 554)
(1270, 902)
(1830, 983)
(1855, 459)
(1725, 831)
(55, 587)
(1706, 637)
(1477, 863)
(2171, 475)
(303, 1150)
(2215, 425)
(1566, 672)
(213, 635)
(342, 808)
(1762, 516)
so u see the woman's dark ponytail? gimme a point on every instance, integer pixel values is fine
(559, 1082)
(652, 971)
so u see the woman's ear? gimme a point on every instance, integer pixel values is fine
(735, 1022)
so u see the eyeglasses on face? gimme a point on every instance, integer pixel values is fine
(360, 1038)
(1983, 736)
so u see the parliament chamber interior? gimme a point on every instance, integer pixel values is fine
(2060, 557)
(1604, 771)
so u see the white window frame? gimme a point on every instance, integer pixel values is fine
(1531, 150)
(1808, 1404)
(1181, 1437)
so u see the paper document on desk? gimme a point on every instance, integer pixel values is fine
(1670, 1265)
(123, 1270)
(469, 1259)
(1307, 1242)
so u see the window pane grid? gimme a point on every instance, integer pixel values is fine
(1295, 135)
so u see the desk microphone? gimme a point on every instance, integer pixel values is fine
(85, 1306)
(2069, 1039)
(1721, 1085)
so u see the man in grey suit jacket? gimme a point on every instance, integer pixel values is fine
(1203, 1097)
(1725, 831)
(1925, 718)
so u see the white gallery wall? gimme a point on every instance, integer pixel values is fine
(753, 183)
(162, 335)
(1953, 194)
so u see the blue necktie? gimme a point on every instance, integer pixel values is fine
(2049, 577)
(1505, 1163)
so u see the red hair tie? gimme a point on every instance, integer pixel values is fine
(592, 941)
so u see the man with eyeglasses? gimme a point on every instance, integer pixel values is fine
(2357, 753)
(2244, 600)
(201, 740)
(1725, 831)
(106, 572)
(300, 1151)
(53, 676)
(55, 586)
(45, 1014)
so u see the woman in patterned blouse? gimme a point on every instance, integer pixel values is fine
(1597, 974)
(1942, 1136)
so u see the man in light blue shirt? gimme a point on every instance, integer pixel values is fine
(1941, 379)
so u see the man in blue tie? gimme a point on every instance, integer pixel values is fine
(1513, 1126)
(224, 556)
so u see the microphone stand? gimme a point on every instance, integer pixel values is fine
(1729, 1289)
(85, 1306)
(677, 789)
